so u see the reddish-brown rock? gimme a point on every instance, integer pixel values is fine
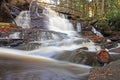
(92, 36)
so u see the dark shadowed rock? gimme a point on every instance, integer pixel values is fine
(37, 17)
(108, 45)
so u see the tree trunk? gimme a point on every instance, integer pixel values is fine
(102, 8)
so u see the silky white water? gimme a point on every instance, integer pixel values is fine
(23, 19)
(50, 51)
(15, 35)
(78, 27)
(96, 32)
(58, 23)
(18, 65)
(54, 22)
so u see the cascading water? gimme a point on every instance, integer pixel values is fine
(96, 32)
(54, 22)
(15, 64)
(78, 27)
(23, 19)
(58, 23)
(51, 47)
(15, 35)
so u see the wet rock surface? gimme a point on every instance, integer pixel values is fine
(108, 72)
(81, 56)
(92, 36)
(112, 35)
(117, 50)
(108, 45)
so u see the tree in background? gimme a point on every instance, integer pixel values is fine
(107, 11)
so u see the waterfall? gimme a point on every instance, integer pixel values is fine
(58, 23)
(78, 27)
(37, 16)
(96, 32)
(46, 18)
(23, 20)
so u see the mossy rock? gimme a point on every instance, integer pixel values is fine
(8, 25)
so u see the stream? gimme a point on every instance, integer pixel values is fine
(39, 62)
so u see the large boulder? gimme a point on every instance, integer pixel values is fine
(86, 57)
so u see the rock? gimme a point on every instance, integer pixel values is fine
(92, 36)
(108, 45)
(38, 19)
(114, 36)
(83, 48)
(7, 27)
(81, 56)
(117, 50)
(108, 72)
(78, 56)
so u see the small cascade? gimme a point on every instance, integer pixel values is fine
(42, 35)
(78, 27)
(96, 32)
(51, 35)
(23, 19)
(15, 35)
